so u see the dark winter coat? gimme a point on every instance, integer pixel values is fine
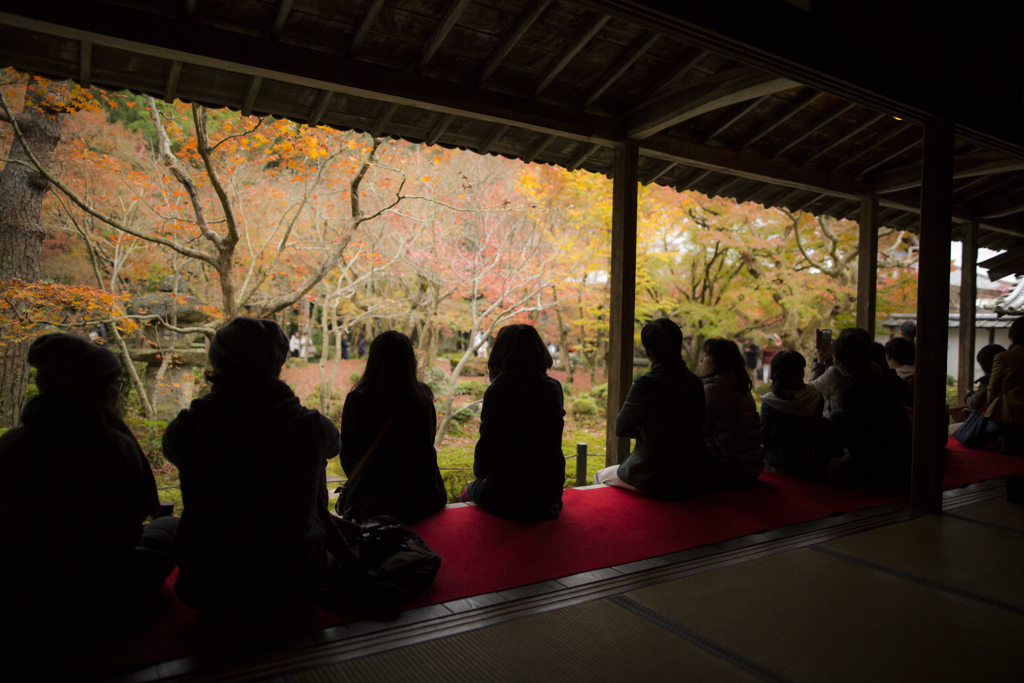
(664, 411)
(798, 440)
(978, 399)
(732, 431)
(878, 432)
(252, 468)
(518, 459)
(74, 490)
(400, 478)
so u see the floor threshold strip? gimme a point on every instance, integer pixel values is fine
(991, 525)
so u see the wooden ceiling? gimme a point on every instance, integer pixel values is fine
(550, 81)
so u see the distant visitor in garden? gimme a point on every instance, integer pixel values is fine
(387, 437)
(518, 461)
(664, 412)
(252, 465)
(732, 428)
(76, 563)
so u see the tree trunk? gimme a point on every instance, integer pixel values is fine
(563, 346)
(21, 233)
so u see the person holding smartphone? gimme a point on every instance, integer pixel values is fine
(825, 377)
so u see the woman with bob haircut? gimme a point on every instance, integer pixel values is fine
(732, 429)
(518, 463)
(389, 407)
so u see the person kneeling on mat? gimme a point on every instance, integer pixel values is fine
(664, 412)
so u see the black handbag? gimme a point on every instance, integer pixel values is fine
(341, 506)
(972, 432)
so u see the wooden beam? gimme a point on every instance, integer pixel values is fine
(383, 119)
(874, 144)
(867, 265)
(909, 176)
(774, 122)
(697, 175)
(509, 42)
(675, 74)
(700, 97)
(438, 130)
(585, 37)
(188, 9)
(910, 200)
(838, 141)
(736, 117)
(614, 73)
(85, 64)
(660, 171)
(585, 153)
(284, 8)
(622, 282)
(724, 185)
(1006, 205)
(539, 147)
(251, 93)
(372, 10)
(932, 317)
(900, 151)
(1005, 264)
(809, 202)
(171, 85)
(992, 185)
(444, 27)
(968, 310)
(492, 138)
(319, 107)
(818, 125)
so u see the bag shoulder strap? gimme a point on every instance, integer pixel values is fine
(366, 455)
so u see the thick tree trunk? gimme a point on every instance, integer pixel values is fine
(21, 235)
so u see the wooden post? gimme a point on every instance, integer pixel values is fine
(867, 265)
(968, 310)
(932, 317)
(623, 293)
(581, 464)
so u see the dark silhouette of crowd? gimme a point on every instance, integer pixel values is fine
(83, 564)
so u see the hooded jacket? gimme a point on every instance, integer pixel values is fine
(797, 438)
(251, 467)
(732, 431)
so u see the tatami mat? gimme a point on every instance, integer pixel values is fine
(812, 617)
(594, 641)
(998, 512)
(979, 559)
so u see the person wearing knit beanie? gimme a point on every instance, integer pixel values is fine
(65, 363)
(249, 347)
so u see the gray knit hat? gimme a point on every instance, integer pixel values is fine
(247, 346)
(66, 363)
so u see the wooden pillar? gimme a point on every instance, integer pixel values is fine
(932, 317)
(623, 293)
(968, 310)
(867, 265)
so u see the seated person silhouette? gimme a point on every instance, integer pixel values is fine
(664, 412)
(797, 438)
(978, 399)
(390, 416)
(1005, 410)
(732, 428)
(518, 462)
(251, 461)
(77, 566)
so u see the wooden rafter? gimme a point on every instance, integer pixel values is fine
(775, 121)
(492, 137)
(873, 145)
(585, 37)
(372, 10)
(85, 64)
(814, 128)
(188, 9)
(662, 169)
(508, 42)
(675, 74)
(171, 84)
(688, 181)
(439, 129)
(889, 157)
(909, 176)
(809, 202)
(840, 140)
(251, 93)
(700, 97)
(585, 153)
(444, 27)
(736, 117)
(383, 119)
(284, 8)
(615, 72)
(319, 107)
(1006, 205)
(541, 145)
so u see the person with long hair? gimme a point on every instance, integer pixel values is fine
(664, 411)
(978, 399)
(732, 429)
(1005, 409)
(252, 465)
(798, 440)
(518, 461)
(873, 422)
(389, 410)
(77, 566)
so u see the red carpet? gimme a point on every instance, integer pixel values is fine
(598, 528)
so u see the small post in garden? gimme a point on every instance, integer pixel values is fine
(581, 464)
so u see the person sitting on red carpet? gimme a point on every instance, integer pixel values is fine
(252, 464)
(76, 563)
(518, 461)
(664, 412)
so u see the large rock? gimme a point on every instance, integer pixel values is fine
(167, 285)
(161, 304)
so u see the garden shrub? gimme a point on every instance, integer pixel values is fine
(436, 379)
(566, 389)
(583, 408)
(336, 405)
(454, 483)
(640, 370)
(149, 434)
(355, 377)
(599, 394)
(471, 388)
